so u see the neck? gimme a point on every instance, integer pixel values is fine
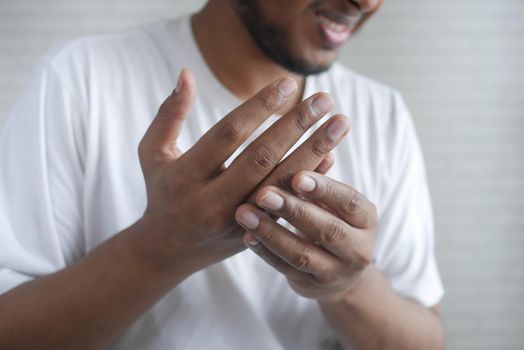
(232, 54)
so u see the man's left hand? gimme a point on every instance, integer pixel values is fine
(334, 248)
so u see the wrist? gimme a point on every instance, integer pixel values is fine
(156, 250)
(353, 294)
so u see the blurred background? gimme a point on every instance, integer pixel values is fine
(460, 66)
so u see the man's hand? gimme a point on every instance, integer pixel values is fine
(337, 228)
(192, 197)
(330, 260)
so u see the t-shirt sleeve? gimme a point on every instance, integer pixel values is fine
(406, 231)
(41, 152)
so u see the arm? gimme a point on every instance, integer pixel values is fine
(86, 305)
(374, 316)
(89, 303)
(331, 262)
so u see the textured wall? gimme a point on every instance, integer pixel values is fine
(460, 65)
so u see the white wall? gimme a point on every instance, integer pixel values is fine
(460, 64)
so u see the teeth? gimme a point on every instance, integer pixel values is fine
(336, 27)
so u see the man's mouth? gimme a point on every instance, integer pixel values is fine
(332, 25)
(335, 27)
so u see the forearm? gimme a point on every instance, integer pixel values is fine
(86, 305)
(374, 316)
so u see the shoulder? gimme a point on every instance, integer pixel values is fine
(107, 46)
(96, 66)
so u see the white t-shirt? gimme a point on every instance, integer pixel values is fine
(70, 179)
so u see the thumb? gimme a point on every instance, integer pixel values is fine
(159, 142)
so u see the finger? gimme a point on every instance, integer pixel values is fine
(304, 236)
(308, 155)
(329, 231)
(264, 153)
(271, 259)
(300, 254)
(326, 164)
(222, 140)
(347, 202)
(159, 142)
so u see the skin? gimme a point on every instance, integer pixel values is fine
(342, 279)
(86, 305)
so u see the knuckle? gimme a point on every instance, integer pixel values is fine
(353, 204)
(266, 102)
(283, 180)
(151, 155)
(333, 233)
(160, 156)
(302, 120)
(269, 235)
(264, 158)
(329, 190)
(297, 211)
(363, 260)
(302, 260)
(230, 131)
(319, 148)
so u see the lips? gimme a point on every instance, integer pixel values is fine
(334, 32)
(335, 27)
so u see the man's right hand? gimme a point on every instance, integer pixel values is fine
(192, 196)
(187, 226)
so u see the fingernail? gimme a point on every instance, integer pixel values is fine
(179, 84)
(306, 184)
(336, 129)
(286, 87)
(253, 243)
(321, 105)
(272, 201)
(249, 220)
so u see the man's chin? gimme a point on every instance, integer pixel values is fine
(302, 65)
(306, 67)
(306, 70)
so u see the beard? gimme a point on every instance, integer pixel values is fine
(273, 41)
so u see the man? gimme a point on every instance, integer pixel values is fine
(93, 258)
